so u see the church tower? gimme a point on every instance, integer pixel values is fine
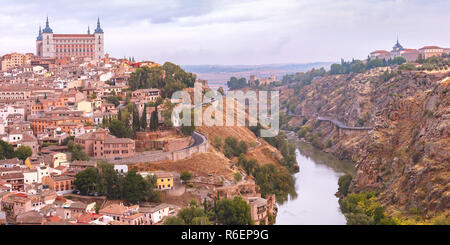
(39, 43)
(48, 47)
(99, 42)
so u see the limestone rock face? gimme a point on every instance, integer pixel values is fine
(406, 156)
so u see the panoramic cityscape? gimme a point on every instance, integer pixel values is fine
(91, 135)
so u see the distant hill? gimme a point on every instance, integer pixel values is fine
(244, 68)
(218, 75)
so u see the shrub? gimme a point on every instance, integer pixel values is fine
(185, 175)
(237, 177)
(217, 142)
(344, 184)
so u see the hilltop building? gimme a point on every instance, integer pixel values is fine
(50, 45)
(410, 55)
(255, 81)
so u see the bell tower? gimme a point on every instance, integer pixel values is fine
(99, 52)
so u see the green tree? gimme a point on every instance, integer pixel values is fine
(109, 182)
(231, 147)
(152, 194)
(154, 120)
(167, 113)
(188, 129)
(274, 180)
(188, 214)
(174, 221)
(144, 118)
(118, 129)
(168, 77)
(235, 83)
(233, 212)
(243, 148)
(77, 152)
(85, 180)
(6, 150)
(217, 142)
(67, 140)
(135, 187)
(204, 220)
(136, 123)
(237, 176)
(23, 152)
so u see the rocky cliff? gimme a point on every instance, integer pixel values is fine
(406, 156)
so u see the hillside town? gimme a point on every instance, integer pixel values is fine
(57, 110)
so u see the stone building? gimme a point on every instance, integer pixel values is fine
(100, 144)
(12, 60)
(430, 51)
(50, 45)
(411, 55)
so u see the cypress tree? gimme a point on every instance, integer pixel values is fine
(136, 124)
(154, 119)
(144, 118)
(119, 116)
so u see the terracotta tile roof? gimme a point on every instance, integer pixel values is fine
(153, 209)
(13, 169)
(114, 209)
(78, 205)
(12, 176)
(31, 217)
(73, 35)
(62, 178)
(430, 47)
(163, 174)
(86, 218)
(380, 51)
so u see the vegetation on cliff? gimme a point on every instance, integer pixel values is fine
(224, 211)
(168, 77)
(270, 179)
(364, 209)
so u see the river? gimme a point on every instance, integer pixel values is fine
(315, 185)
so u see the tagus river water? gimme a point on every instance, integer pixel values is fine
(315, 185)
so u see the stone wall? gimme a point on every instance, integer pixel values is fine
(200, 145)
(154, 141)
(184, 153)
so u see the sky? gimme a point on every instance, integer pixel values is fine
(232, 32)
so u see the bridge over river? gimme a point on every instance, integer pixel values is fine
(337, 123)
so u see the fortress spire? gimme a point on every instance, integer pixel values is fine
(47, 28)
(98, 29)
(39, 37)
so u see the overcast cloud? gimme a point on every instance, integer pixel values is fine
(231, 31)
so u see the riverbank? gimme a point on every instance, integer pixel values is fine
(314, 201)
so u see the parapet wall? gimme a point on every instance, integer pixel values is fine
(167, 140)
(200, 145)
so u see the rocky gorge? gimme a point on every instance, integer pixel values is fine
(404, 153)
